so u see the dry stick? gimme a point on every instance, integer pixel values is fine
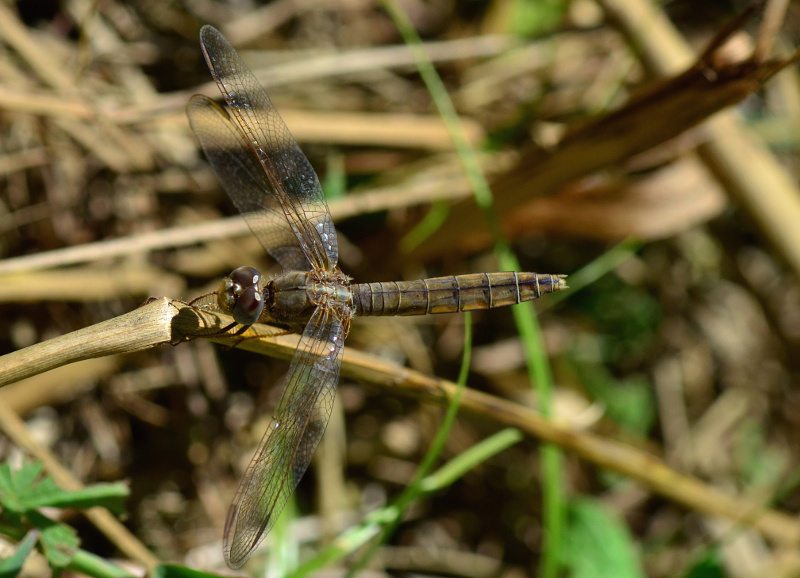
(84, 284)
(350, 62)
(140, 243)
(260, 22)
(392, 130)
(313, 67)
(365, 129)
(326, 64)
(347, 64)
(774, 15)
(15, 429)
(166, 321)
(140, 329)
(45, 104)
(396, 130)
(752, 175)
(58, 386)
(442, 184)
(23, 159)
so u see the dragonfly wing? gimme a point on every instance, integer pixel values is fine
(293, 184)
(244, 179)
(289, 443)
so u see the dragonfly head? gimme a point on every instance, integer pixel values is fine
(241, 295)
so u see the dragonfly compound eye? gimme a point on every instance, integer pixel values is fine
(248, 306)
(246, 277)
(240, 295)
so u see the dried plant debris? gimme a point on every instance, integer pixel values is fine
(673, 356)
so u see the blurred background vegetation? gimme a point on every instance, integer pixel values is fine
(679, 339)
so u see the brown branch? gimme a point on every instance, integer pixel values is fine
(167, 321)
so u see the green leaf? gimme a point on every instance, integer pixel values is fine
(59, 542)
(109, 496)
(27, 475)
(6, 480)
(15, 484)
(11, 525)
(36, 494)
(598, 543)
(21, 492)
(8, 497)
(12, 565)
(175, 571)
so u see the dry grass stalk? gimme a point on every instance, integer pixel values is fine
(164, 321)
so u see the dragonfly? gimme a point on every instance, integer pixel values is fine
(274, 186)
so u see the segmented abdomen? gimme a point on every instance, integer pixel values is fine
(452, 294)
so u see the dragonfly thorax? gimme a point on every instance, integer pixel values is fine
(292, 297)
(330, 286)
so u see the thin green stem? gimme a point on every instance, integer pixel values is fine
(354, 538)
(91, 565)
(595, 269)
(527, 325)
(415, 489)
(422, 230)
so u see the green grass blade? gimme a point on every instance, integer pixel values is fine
(527, 326)
(12, 566)
(377, 522)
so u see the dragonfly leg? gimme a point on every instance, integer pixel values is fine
(204, 296)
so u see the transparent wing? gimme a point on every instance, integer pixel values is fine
(288, 444)
(244, 179)
(293, 186)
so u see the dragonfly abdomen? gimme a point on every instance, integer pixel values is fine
(452, 294)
